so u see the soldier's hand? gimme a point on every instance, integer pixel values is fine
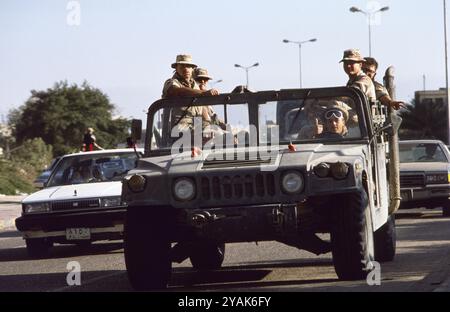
(318, 128)
(212, 92)
(397, 105)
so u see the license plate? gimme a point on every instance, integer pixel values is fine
(78, 233)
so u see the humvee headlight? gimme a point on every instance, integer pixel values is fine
(136, 183)
(339, 170)
(322, 170)
(292, 182)
(184, 189)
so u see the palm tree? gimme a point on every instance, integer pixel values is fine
(424, 120)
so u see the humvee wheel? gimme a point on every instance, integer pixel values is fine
(385, 241)
(207, 256)
(352, 237)
(37, 247)
(147, 248)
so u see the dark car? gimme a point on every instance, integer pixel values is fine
(40, 181)
(425, 174)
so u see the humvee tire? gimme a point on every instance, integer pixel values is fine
(207, 256)
(352, 237)
(37, 247)
(385, 241)
(147, 248)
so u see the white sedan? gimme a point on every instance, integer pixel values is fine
(81, 201)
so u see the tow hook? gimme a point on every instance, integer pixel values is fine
(199, 219)
(277, 216)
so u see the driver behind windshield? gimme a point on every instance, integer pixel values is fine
(331, 124)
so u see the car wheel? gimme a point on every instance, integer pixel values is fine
(207, 256)
(385, 241)
(37, 247)
(147, 248)
(352, 237)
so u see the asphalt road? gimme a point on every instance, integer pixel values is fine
(422, 263)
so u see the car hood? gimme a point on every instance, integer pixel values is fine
(76, 191)
(423, 166)
(305, 154)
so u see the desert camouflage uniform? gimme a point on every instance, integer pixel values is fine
(365, 84)
(180, 117)
(380, 90)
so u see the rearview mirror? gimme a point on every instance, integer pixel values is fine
(136, 129)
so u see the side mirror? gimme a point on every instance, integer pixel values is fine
(136, 129)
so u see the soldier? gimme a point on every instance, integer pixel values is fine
(353, 62)
(370, 68)
(202, 77)
(183, 84)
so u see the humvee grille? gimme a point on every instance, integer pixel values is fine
(238, 186)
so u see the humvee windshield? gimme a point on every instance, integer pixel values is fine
(313, 119)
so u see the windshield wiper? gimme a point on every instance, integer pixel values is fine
(298, 112)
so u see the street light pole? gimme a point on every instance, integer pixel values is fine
(446, 72)
(369, 20)
(299, 43)
(246, 68)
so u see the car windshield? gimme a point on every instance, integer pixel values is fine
(88, 168)
(421, 152)
(277, 122)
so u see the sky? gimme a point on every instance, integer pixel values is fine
(125, 48)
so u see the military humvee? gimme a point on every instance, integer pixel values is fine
(269, 175)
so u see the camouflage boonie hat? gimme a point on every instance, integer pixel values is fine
(352, 55)
(201, 73)
(183, 59)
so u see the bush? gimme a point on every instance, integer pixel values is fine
(13, 180)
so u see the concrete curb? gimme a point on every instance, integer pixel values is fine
(8, 224)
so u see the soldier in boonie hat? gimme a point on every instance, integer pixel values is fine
(353, 55)
(184, 59)
(202, 77)
(353, 62)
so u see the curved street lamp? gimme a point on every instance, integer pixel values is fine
(299, 43)
(369, 15)
(246, 68)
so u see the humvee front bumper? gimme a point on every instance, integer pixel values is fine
(237, 224)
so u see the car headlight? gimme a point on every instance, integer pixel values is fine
(322, 170)
(292, 182)
(339, 170)
(437, 178)
(36, 207)
(136, 183)
(112, 202)
(184, 189)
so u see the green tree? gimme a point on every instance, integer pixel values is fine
(424, 120)
(33, 154)
(60, 116)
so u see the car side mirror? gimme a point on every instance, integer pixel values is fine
(136, 129)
